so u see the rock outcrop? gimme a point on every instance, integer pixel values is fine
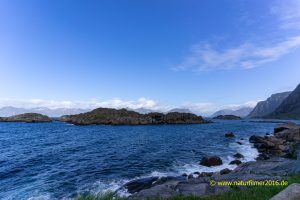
(281, 144)
(292, 192)
(268, 106)
(211, 161)
(289, 108)
(227, 117)
(229, 134)
(126, 117)
(27, 117)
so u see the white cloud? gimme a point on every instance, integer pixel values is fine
(251, 104)
(200, 108)
(285, 14)
(288, 13)
(112, 103)
(246, 56)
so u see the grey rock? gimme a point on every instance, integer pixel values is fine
(292, 192)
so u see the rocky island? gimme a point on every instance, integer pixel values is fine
(27, 117)
(227, 117)
(126, 117)
(279, 157)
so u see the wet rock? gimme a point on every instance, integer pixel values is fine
(184, 174)
(256, 139)
(225, 171)
(190, 176)
(140, 184)
(239, 143)
(229, 134)
(206, 174)
(238, 155)
(263, 156)
(211, 161)
(235, 162)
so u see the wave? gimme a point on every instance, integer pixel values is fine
(246, 148)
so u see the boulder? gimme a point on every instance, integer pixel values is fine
(140, 184)
(292, 192)
(190, 176)
(235, 162)
(206, 174)
(225, 171)
(211, 161)
(238, 142)
(238, 155)
(229, 135)
(263, 156)
(286, 126)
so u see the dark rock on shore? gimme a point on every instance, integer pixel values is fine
(281, 144)
(227, 117)
(225, 171)
(238, 155)
(211, 161)
(126, 117)
(235, 162)
(140, 184)
(27, 117)
(229, 135)
(206, 174)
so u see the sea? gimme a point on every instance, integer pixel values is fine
(41, 161)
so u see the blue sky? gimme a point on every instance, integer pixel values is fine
(203, 55)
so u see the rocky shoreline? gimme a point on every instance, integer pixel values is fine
(279, 157)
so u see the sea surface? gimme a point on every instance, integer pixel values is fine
(61, 161)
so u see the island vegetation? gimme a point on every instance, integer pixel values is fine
(127, 117)
(27, 117)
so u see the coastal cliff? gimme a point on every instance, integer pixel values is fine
(289, 108)
(27, 117)
(126, 117)
(266, 107)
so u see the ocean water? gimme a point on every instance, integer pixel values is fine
(61, 161)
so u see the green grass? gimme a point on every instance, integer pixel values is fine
(253, 193)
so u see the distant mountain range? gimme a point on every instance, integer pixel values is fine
(146, 111)
(58, 112)
(289, 108)
(268, 106)
(285, 105)
(241, 112)
(180, 110)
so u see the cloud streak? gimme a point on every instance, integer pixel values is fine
(288, 14)
(91, 104)
(246, 56)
